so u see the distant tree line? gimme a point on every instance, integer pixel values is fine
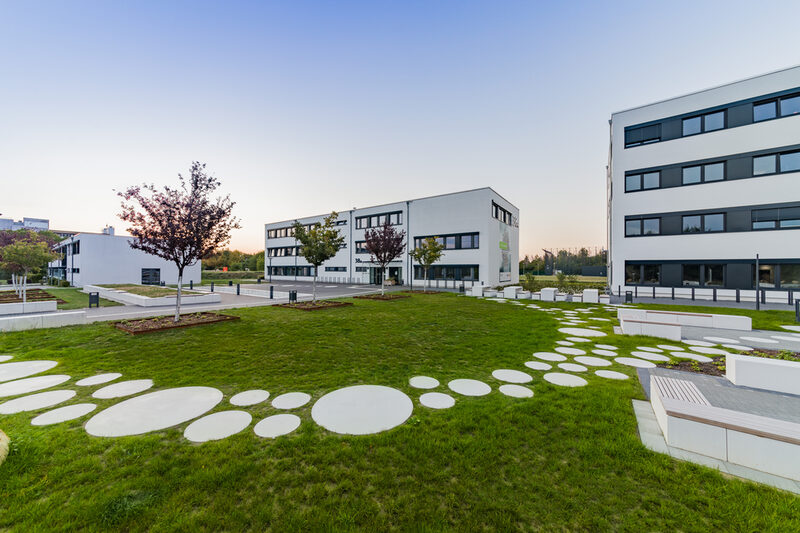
(566, 261)
(235, 260)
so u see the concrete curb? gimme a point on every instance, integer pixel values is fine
(4, 442)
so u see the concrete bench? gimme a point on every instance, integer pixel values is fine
(663, 330)
(548, 294)
(20, 308)
(590, 296)
(689, 422)
(51, 320)
(523, 295)
(476, 290)
(490, 293)
(763, 373)
(605, 299)
(704, 320)
(511, 292)
(536, 296)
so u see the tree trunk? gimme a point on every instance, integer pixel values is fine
(314, 290)
(425, 280)
(25, 288)
(178, 297)
(383, 278)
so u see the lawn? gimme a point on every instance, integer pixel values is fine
(151, 291)
(76, 299)
(566, 459)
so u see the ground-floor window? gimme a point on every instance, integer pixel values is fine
(715, 274)
(151, 276)
(451, 272)
(301, 271)
(639, 274)
(335, 269)
(697, 275)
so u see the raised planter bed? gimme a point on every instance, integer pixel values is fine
(34, 295)
(315, 306)
(423, 292)
(163, 323)
(384, 297)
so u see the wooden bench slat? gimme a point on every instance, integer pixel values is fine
(679, 389)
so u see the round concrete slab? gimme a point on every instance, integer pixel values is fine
(217, 426)
(570, 351)
(572, 367)
(153, 411)
(423, 382)
(611, 374)
(23, 369)
(582, 332)
(607, 353)
(362, 409)
(785, 338)
(469, 387)
(4, 358)
(632, 361)
(691, 342)
(721, 340)
(277, 425)
(593, 361)
(123, 388)
(606, 347)
(696, 356)
(549, 356)
(98, 379)
(63, 414)
(565, 343)
(649, 349)
(437, 400)
(711, 351)
(35, 402)
(600, 319)
(762, 340)
(291, 400)
(670, 348)
(537, 365)
(650, 356)
(739, 347)
(511, 376)
(28, 385)
(578, 339)
(565, 380)
(516, 391)
(249, 397)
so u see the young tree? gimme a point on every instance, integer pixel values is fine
(427, 254)
(8, 237)
(384, 245)
(182, 225)
(21, 257)
(319, 243)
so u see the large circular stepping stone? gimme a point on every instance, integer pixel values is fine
(537, 365)
(217, 426)
(4, 358)
(549, 356)
(572, 367)
(565, 343)
(249, 397)
(516, 391)
(570, 351)
(650, 356)
(565, 380)
(670, 348)
(291, 400)
(98, 380)
(691, 342)
(277, 425)
(469, 387)
(437, 400)
(423, 382)
(23, 369)
(582, 332)
(28, 385)
(153, 411)
(362, 409)
(762, 340)
(721, 340)
(578, 339)
(123, 388)
(511, 376)
(611, 374)
(606, 347)
(594, 361)
(649, 349)
(606, 353)
(632, 361)
(712, 351)
(63, 414)
(35, 402)
(696, 356)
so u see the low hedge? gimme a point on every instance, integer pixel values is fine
(232, 274)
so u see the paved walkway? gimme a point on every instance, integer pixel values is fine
(771, 340)
(706, 303)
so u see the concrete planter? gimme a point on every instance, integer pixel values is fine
(763, 373)
(28, 307)
(144, 301)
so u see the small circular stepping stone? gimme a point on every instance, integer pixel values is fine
(549, 356)
(632, 361)
(469, 387)
(28, 385)
(153, 411)
(63, 414)
(762, 340)
(740, 347)
(423, 382)
(362, 409)
(578, 339)
(607, 353)
(123, 388)
(98, 379)
(511, 376)
(277, 425)
(670, 348)
(691, 342)
(611, 374)
(23, 369)
(572, 367)
(249, 397)
(565, 380)
(565, 343)
(35, 401)
(593, 361)
(721, 340)
(4, 358)
(437, 400)
(695, 356)
(606, 347)
(291, 400)
(537, 365)
(582, 332)
(649, 349)
(570, 351)
(217, 426)
(650, 356)
(712, 351)
(516, 391)
(600, 319)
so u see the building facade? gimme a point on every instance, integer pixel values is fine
(700, 184)
(34, 224)
(479, 228)
(103, 258)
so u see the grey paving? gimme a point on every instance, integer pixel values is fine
(705, 303)
(695, 333)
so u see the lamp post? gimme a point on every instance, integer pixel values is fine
(270, 269)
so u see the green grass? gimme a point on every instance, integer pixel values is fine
(772, 319)
(566, 459)
(75, 298)
(150, 291)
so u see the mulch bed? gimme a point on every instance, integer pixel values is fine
(163, 323)
(717, 365)
(384, 297)
(312, 306)
(34, 295)
(423, 292)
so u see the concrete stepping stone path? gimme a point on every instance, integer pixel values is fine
(249, 397)
(276, 425)
(710, 351)
(423, 382)
(578, 339)
(565, 380)
(739, 347)
(217, 426)
(469, 387)
(634, 362)
(537, 365)
(611, 374)
(516, 391)
(649, 349)
(512, 376)
(98, 380)
(593, 361)
(691, 342)
(291, 400)
(23, 369)
(362, 409)
(437, 400)
(650, 356)
(549, 356)
(570, 351)
(36, 401)
(670, 348)
(28, 385)
(689, 355)
(123, 388)
(606, 347)
(763, 340)
(63, 414)
(572, 367)
(721, 340)
(565, 343)
(581, 332)
(607, 353)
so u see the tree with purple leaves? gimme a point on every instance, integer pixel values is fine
(384, 244)
(183, 225)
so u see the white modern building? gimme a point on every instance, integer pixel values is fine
(700, 184)
(104, 258)
(479, 228)
(35, 224)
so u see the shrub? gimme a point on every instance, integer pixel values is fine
(63, 283)
(232, 274)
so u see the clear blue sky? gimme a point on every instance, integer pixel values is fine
(304, 107)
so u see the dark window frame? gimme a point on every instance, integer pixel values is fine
(703, 229)
(641, 222)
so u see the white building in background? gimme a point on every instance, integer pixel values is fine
(35, 224)
(103, 258)
(479, 228)
(700, 184)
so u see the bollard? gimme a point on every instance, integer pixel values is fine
(763, 296)
(797, 311)
(238, 289)
(791, 293)
(692, 293)
(737, 296)
(619, 290)
(230, 283)
(673, 293)
(271, 289)
(715, 294)
(191, 284)
(212, 286)
(636, 291)
(654, 292)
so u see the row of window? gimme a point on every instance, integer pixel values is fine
(776, 163)
(374, 221)
(785, 217)
(778, 107)
(306, 271)
(769, 276)
(283, 251)
(710, 223)
(335, 269)
(501, 214)
(703, 123)
(74, 248)
(288, 231)
(448, 272)
(457, 241)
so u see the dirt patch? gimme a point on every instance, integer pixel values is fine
(162, 323)
(384, 297)
(315, 306)
(34, 295)
(423, 292)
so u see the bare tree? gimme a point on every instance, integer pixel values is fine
(319, 242)
(384, 244)
(429, 251)
(183, 225)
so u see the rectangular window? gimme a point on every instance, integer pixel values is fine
(691, 276)
(764, 111)
(714, 172)
(466, 241)
(335, 269)
(765, 164)
(456, 241)
(651, 274)
(692, 126)
(633, 182)
(501, 214)
(692, 175)
(790, 276)
(651, 226)
(642, 135)
(373, 221)
(360, 247)
(450, 243)
(633, 274)
(651, 180)
(714, 121)
(692, 224)
(633, 228)
(715, 222)
(714, 275)
(790, 162)
(764, 224)
(361, 269)
(790, 106)
(766, 276)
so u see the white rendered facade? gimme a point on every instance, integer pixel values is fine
(691, 201)
(480, 247)
(95, 258)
